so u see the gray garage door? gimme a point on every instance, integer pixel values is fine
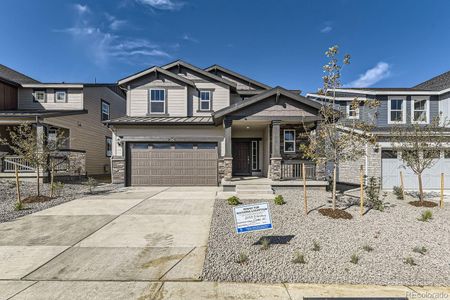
(391, 166)
(169, 164)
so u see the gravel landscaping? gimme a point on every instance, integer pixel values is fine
(374, 249)
(28, 188)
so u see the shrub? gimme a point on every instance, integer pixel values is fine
(422, 250)
(279, 200)
(18, 206)
(372, 190)
(242, 258)
(426, 216)
(233, 200)
(316, 246)
(398, 192)
(265, 243)
(57, 187)
(354, 259)
(410, 261)
(298, 258)
(367, 248)
(92, 183)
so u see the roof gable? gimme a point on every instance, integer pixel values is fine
(438, 83)
(155, 69)
(216, 69)
(13, 76)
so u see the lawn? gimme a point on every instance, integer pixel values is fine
(382, 247)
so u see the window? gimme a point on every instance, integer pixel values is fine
(432, 153)
(108, 146)
(157, 101)
(289, 140)
(105, 111)
(60, 96)
(352, 111)
(419, 110)
(446, 153)
(255, 155)
(161, 146)
(396, 111)
(389, 154)
(205, 100)
(206, 146)
(184, 146)
(139, 146)
(39, 96)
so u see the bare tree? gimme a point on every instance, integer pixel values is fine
(337, 140)
(420, 146)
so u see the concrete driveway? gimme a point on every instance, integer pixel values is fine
(131, 235)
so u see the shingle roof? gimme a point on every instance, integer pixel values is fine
(438, 83)
(14, 76)
(390, 89)
(147, 120)
(237, 75)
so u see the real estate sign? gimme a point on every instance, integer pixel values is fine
(252, 217)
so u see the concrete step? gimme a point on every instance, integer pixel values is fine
(243, 197)
(254, 189)
(252, 192)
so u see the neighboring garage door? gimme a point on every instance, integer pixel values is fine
(391, 166)
(169, 164)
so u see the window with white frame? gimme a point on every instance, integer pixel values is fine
(39, 96)
(205, 100)
(157, 101)
(255, 155)
(60, 96)
(105, 114)
(420, 109)
(289, 140)
(396, 111)
(108, 146)
(352, 110)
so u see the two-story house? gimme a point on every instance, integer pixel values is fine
(190, 126)
(397, 106)
(76, 109)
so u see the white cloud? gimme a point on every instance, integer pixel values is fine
(163, 4)
(326, 29)
(114, 23)
(189, 38)
(381, 71)
(81, 9)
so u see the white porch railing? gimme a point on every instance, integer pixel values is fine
(292, 169)
(9, 162)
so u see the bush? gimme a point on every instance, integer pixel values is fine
(92, 183)
(354, 259)
(265, 243)
(398, 192)
(58, 187)
(422, 250)
(410, 261)
(426, 216)
(233, 200)
(279, 200)
(298, 258)
(316, 246)
(372, 190)
(18, 206)
(367, 248)
(242, 258)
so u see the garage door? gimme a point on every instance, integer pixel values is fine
(391, 166)
(169, 164)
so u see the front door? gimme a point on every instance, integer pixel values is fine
(241, 158)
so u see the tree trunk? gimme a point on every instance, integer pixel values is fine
(52, 187)
(419, 176)
(19, 200)
(38, 181)
(334, 186)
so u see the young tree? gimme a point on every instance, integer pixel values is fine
(420, 146)
(337, 140)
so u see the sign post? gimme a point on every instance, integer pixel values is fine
(252, 217)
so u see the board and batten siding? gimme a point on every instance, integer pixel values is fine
(87, 132)
(74, 100)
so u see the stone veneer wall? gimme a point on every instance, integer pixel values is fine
(118, 169)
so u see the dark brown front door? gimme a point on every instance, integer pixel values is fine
(241, 158)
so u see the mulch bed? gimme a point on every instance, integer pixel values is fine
(335, 213)
(36, 199)
(423, 203)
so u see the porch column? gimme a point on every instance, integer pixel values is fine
(228, 157)
(40, 135)
(275, 159)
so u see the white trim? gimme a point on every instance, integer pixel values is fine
(35, 99)
(403, 109)
(392, 92)
(150, 101)
(56, 96)
(348, 105)
(427, 109)
(284, 141)
(312, 95)
(208, 101)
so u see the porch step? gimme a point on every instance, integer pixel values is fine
(243, 197)
(254, 189)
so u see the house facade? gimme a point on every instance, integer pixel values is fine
(191, 126)
(397, 107)
(75, 109)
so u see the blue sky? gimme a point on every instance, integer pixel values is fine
(280, 42)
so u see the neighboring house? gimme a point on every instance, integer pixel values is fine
(190, 126)
(76, 109)
(398, 106)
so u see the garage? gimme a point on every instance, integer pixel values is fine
(170, 164)
(391, 165)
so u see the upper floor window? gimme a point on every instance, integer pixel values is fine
(352, 111)
(205, 100)
(289, 140)
(157, 101)
(105, 111)
(60, 96)
(420, 109)
(39, 96)
(396, 111)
